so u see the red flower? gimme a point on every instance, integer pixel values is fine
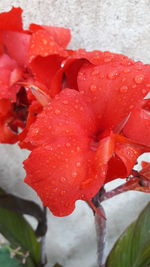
(77, 141)
(28, 58)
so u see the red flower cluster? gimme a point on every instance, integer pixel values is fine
(83, 114)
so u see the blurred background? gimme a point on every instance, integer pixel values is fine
(116, 25)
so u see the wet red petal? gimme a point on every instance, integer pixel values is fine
(67, 115)
(45, 68)
(17, 46)
(43, 44)
(7, 67)
(138, 125)
(61, 170)
(61, 35)
(124, 158)
(11, 20)
(67, 171)
(114, 87)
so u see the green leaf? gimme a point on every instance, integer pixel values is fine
(11, 202)
(132, 249)
(6, 260)
(19, 233)
(57, 265)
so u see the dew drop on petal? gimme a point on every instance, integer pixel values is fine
(78, 148)
(95, 72)
(144, 91)
(76, 106)
(123, 89)
(93, 88)
(45, 42)
(139, 78)
(126, 70)
(68, 145)
(65, 102)
(124, 79)
(131, 107)
(134, 86)
(74, 174)
(78, 164)
(112, 75)
(62, 179)
(57, 111)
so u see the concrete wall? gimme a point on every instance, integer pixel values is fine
(120, 26)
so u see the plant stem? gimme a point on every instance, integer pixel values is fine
(100, 224)
(43, 241)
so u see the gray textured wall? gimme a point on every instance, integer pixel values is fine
(116, 25)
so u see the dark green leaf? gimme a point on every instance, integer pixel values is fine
(133, 247)
(6, 260)
(23, 206)
(19, 232)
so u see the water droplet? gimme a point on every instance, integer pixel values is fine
(131, 107)
(36, 131)
(112, 75)
(78, 164)
(134, 86)
(78, 148)
(76, 106)
(57, 111)
(68, 144)
(74, 174)
(45, 42)
(62, 179)
(126, 70)
(93, 88)
(65, 102)
(139, 78)
(123, 89)
(95, 72)
(144, 91)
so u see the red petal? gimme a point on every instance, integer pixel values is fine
(6, 134)
(17, 46)
(124, 158)
(43, 44)
(138, 125)
(60, 172)
(7, 67)
(67, 115)
(61, 35)
(114, 87)
(45, 68)
(11, 20)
